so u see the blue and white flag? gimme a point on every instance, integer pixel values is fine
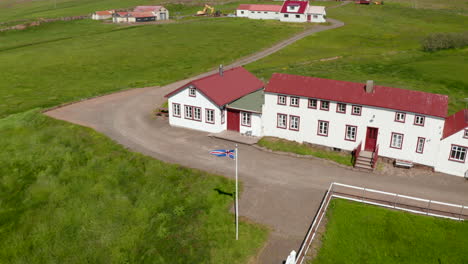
(224, 152)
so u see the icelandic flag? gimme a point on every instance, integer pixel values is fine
(224, 152)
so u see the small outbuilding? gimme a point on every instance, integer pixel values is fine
(101, 15)
(160, 12)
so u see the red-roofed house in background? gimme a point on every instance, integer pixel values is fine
(141, 14)
(160, 12)
(101, 15)
(290, 11)
(371, 120)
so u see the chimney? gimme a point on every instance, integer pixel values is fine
(370, 86)
(221, 70)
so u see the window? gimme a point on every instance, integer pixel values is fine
(252, 12)
(420, 145)
(197, 113)
(223, 118)
(282, 121)
(245, 119)
(315, 16)
(192, 92)
(242, 12)
(312, 103)
(294, 123)
(458, 153)
(265, 12)
(258, 12)
(286, 15)
(357, 110)
(210, 116)
(294, 101)
(397, 141)
(176, 110)
(351, 132)
(298, 16)
(188, 112)
(419, 120)
(281, 99)
(341, 108)
(322, 128)
(324, 105)
(466, 133)
(400, 117)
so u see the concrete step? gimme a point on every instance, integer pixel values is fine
(364, 163)
(364, 159)
(362, 166)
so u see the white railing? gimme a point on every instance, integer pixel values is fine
(383, 199)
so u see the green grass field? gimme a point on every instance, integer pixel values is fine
(71, 195)
(380, 43)
(65, 61)
(277, 144)
(359, 233)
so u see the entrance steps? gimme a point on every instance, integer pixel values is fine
(364, 160)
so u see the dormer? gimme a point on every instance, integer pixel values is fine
(293, 8)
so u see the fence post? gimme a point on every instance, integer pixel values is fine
(461, 211)
(362, 196)
(396, 198)
(428, 205)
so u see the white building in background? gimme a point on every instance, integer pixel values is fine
(399, 124)
(290, 11)
(141, 14)
(101, 15)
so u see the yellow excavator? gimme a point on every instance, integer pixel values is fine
(204, 11)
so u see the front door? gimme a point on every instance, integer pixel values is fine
(371, 138)
(162, 16)
(308, 17)
(233, 120)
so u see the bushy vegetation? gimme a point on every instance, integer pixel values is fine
(441, 41)
(71, 195)
(380, 43)
(66, 61)
(357, 233)
(278, 144)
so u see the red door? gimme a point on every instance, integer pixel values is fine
(233, 121)
(371, 138)
(308, 17)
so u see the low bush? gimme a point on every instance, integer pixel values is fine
(441, 41)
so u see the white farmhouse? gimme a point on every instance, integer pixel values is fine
(370, 120)
(290, 11)
(160, 12)
(101, 15)
(203, 104)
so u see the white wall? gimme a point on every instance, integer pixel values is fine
(320, 18)
(258, 14)
(199, 100)
(293, 18)
(448, 166)
(370, 117)
(256, 125)
(98, 17)
(119, 19)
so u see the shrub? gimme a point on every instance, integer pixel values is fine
(440, 41)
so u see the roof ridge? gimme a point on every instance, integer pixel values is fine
(203, 78)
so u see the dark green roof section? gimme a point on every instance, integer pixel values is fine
(251, 102)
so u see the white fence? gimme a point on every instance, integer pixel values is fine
(379, 198)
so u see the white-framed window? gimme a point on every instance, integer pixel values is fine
(265, 12)
(351, 133)
(197, 113)
(341, 108)
(188, 112)
(286, 15)
(176, 110)
(298, 16)
(312, 103)
(322, 129)
(420, 145)
(396, 141)
(282, 99)
(356, 110)
(242, 12)
(192, 92)
(315, 16)
(245, 119)
(400, 117)
(282, 121)
(419, 120)
(223, 116)
(294, 123)
(458, 153)
(294, 101)
(466, 133)
(324, 105)
(210, 116)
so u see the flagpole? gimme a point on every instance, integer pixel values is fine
(237, 195)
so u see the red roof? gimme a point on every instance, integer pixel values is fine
(147, 8)
(270, 8)
(122, 13)
(103, 13)
(354, 93)
(455, 123)
(302, 6)
(141, 14)
(234, 84)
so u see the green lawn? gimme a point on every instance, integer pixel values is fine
(359, 233)
(277, 144)
(71, 195)
(380, 43)
(66, 61)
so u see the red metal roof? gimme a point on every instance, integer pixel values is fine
(234, 84)
(302, 6)
(455, 123)
(141, 14)
(354, 93)
(103, 13)
(270, 8)
(147, 8)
